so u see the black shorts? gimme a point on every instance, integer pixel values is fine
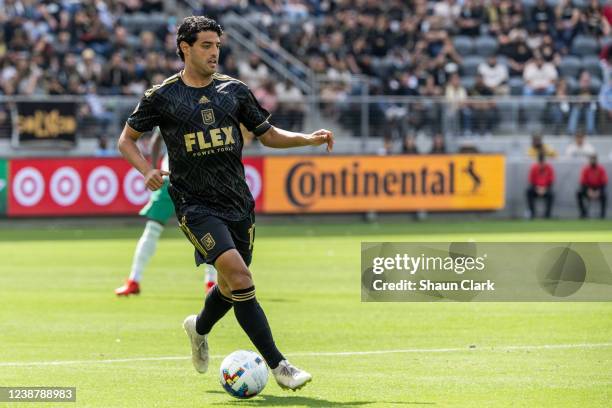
(211, 236)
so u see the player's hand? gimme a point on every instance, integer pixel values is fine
(154, 179)
(322, 136)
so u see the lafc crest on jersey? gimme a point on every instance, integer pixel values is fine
(208, 116)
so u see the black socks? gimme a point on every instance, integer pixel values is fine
(252, 319)
(215, 307)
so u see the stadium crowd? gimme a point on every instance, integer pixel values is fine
(449, 49)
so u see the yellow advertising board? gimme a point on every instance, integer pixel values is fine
(316, 184)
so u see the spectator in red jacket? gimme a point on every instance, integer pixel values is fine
(593, 182)
(541, 179)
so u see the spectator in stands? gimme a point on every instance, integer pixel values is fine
(458, 110)
(542, 15)
(253, 71)
(471, 18)
(539, 77)
(541, 179)
(568, 23)
(593, 183)
(538, 146)
(291, 106)
(593, 20)
(580, 147)
(495, 75)
(114, 76)
(439, 145)
(409, 146)
(585, 105)
(266, 95)
(517, 51)
(605, 100)
(483, 108)
(559, 109)
(448, 11)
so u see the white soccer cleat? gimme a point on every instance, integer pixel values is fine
(290, 377)
(199, 345)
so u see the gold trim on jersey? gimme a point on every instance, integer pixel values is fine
(170, 80)
(223, 77)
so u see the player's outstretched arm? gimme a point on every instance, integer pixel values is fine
(282, 139)
(130, 151)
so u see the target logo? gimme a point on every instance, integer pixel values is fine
(28, 186)
(253, 179)
(102, 185)
(65, 186)
(134, 188)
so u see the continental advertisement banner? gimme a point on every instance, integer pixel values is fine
(46, 123)
(308, 184)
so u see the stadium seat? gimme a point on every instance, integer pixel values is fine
(516, 86)
(595, 85)
(485, 46)
(468, 82)
(584, 45)
(470, 65)
(464, 45)
(572, 84)
(591, 63)
(570, 66)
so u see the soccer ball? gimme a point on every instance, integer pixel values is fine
(243, 374)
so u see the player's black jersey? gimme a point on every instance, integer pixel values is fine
(201, 129)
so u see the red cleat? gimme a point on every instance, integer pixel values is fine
(210, 285)
(130, 287)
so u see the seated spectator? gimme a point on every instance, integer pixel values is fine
(458, 111)
(560, 108)
(593, 21)
(542, 15)
(538, 146)
(253, 72)
(483, 107)
(439, 145)
(472, 16)
(605, 100)
(409, 146)
(585, 105)
(568, 23)
(580, 148)
(517, 51)
(539, 77)
(593, 182)
(494, 75)
(291, 105)
(541, 179)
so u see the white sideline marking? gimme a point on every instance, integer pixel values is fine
(319, 354)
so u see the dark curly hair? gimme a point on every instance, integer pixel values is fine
(189, 29)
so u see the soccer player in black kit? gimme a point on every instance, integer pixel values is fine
(199, 113)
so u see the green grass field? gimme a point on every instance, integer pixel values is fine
(61, 325)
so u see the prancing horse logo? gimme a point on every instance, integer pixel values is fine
(208, 116)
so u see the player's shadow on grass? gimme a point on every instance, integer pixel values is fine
(272, 400)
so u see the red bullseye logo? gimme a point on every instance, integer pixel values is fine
(65, 186)
(28, 186)
(253, 179)
(102, 185)
(134, 188)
